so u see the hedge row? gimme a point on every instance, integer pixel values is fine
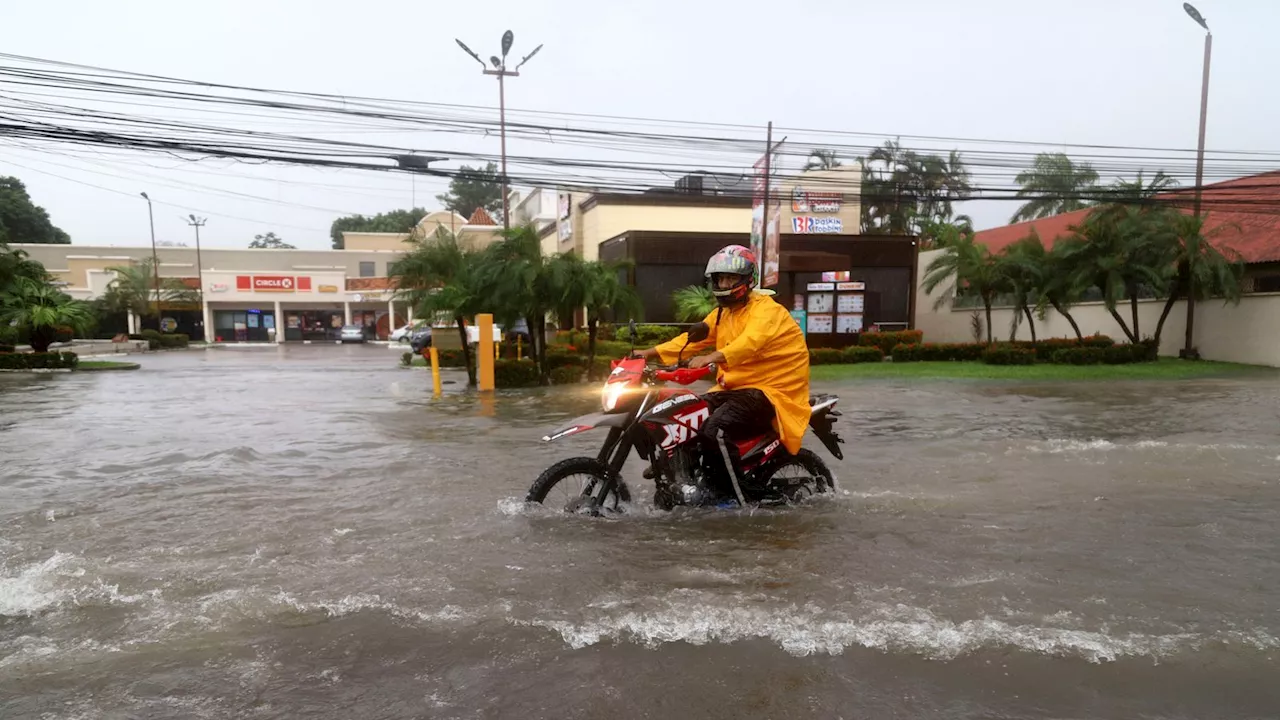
(837, 356)
(39, 361)
(887, 341)
(1067, 351)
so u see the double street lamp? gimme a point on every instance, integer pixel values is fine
(501, 72)
(1188, 350)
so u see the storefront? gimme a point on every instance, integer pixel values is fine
(249, 325)
(312, 325)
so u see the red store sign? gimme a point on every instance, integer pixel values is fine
(272, 283)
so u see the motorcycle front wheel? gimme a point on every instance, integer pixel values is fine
(576, 485)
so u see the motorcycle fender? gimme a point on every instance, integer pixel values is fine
(587, 422)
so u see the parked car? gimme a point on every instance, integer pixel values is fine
(404, 332)
(420, 339)
(353, 333)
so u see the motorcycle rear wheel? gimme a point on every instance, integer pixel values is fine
(815, 480)
(582, 496)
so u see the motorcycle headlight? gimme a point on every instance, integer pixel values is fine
(613, 393)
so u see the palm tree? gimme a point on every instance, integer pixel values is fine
(134, 290)
(1054, 185)
(437, 277)
(518, 282)
(1023, 265)
(1121, 250)
(593, 286)
(969, 267)
(822, 159)
(42, 309)
(14, 264)
(693, 303)
(1203, 269)
(1061, 285)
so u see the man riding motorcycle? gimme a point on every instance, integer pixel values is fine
(761, 355)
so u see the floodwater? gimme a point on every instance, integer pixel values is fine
(305, 533)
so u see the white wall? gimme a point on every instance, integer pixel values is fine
(1244, 333)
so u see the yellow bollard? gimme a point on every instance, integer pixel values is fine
(435, 371)
(484, 379)
(519, 342)
(497, 351)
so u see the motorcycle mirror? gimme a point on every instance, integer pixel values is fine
(631, 330)
(699, 332)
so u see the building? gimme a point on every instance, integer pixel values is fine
(1241, 216)
(260, 295)
(667, 234)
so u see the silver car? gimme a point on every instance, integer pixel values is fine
(352, 333)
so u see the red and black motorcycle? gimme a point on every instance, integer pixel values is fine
(661, 425)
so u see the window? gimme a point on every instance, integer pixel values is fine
(367, 269)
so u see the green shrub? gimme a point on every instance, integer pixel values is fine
(938, 352)
(9, 335)
(406, 359)
(887, 341)
(63, 334)
(7, 348)
(1079, 356)
(451, 357)
(1098, 340)
(859, 354)
(175, 340)
(39, 361)
(566, 375)
(826, 356)
(601, 368)
(560, 357)
(649, 335)
(609, 348)
(515, 374)
(1008, 355)
(1129, 353)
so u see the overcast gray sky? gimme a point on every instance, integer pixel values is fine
(1120, 72)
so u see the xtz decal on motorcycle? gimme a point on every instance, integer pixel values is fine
(684, 427)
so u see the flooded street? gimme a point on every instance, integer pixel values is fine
(305, 532)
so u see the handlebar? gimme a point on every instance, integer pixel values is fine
(683, 375)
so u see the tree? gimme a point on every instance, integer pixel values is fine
(438, 276)
(474, 188)
(1054, 185)
(1061, 286)
(269, 242)
(970, 267)
(822, 159)
(1023, 266)
(134, 290)
(518, 282)
(15, 264)
(693, 303)
(1202, 269)
(902, 190)
(22, 221)
(393, 221)
(41, 308)
(594, 286)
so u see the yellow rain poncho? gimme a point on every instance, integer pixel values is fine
(763, 349)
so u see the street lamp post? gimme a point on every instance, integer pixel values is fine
(155, 260)
(198, 223)
(502, 73)
(1188, 350)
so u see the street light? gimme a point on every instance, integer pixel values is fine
(198, 223)
(500, 70)
(155, 260)
(1188, 351)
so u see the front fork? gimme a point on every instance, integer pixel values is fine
(617, 446)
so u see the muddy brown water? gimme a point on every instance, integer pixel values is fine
(305, 533)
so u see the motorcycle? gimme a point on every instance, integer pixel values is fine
(661, 424)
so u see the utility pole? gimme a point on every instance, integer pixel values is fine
(155, 260)
(198, 223)
(502, 73)
(1188, 349)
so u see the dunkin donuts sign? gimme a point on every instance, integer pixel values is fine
(272, 283)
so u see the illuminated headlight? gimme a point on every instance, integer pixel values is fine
(613, 392)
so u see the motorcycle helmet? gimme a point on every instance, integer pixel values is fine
(737, 261)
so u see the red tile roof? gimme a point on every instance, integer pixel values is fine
(481, 217)
(1249, 207)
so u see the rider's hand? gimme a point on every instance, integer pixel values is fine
(644, 354)
(705, 360)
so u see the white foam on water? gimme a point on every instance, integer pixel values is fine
(1058, 446)
(366, 601)
(809, 630)
(54, 583)
(341, 531)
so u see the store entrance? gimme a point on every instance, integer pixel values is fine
(244, 326)
(313, 325)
